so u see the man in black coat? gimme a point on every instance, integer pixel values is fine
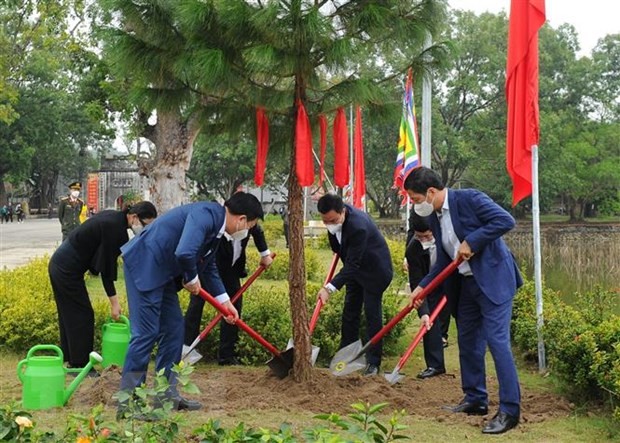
(421, 254)
(366, 271)
(231, 261)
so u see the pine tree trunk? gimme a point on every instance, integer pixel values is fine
(302, 368)
(174, 140)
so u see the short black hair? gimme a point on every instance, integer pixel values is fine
(419, 223)
(330, 202)
(242, 203)
(144, 210)
(422, 178)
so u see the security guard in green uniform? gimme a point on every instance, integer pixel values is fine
(69, 210)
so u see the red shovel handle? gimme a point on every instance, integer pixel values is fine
(319, 302)
(213, 323)
(240, 323)
(422, 332)
(421, 296)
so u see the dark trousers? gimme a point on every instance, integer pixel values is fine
(229, 334)
(480, 322)
(357, 296)
(433, 346)
(155, 317)
(76, 318)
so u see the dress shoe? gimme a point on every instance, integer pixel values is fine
(431, 372)
(232, 361)
(469, 408)
(184, 404)
(444, 342)
(370, 370)
(501, 423)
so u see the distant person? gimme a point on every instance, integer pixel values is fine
(366, 272)
(69, 210)
(19, 212)
(50, 210)
(231, 260)
(93, 246)
(285, 223)
(9, 212)
(421, 255)
(466, 223)
(4, 214)
(173, 251)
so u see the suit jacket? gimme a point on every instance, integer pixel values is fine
(363, 252)
(182, 242)
(482, 222)
(419, 261)
(225, 253)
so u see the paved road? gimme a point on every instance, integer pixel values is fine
(21, 242)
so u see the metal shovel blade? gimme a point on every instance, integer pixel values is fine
(347, 360)
(394, 376)
(282, 364)
(192, 356)
(313, 355)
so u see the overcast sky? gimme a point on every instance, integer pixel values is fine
(593, 19)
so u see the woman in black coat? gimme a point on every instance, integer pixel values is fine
(93, 246)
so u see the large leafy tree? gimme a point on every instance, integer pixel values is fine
(278, 54)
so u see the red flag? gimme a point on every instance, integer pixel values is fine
(262, 146)
(341, 150)
(304, 166)
(526, 17)
(359, 189)
(323, 134)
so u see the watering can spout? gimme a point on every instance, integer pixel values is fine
(93, 358)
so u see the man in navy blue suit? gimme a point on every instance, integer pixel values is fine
(467, 223)
(177, 249)
(367, 271)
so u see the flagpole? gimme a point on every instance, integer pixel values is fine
(316, 157)
(351, 154)
(542, 364)
(426, 112)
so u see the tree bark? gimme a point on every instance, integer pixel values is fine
(174, 140)
(302, 368)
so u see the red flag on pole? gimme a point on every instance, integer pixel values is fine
(341, 150)
(526, 17)
(359, 188)
(304, 166)
(262, 146)
(323, 135)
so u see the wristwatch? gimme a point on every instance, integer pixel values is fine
(328, 289)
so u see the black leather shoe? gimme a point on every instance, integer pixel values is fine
(370, 370)
(431, 372)
(184, 404)
(469, 408)
(501, 423)
(229, 362)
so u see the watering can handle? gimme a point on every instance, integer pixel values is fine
(122, 319)
(20, 373)
(46, 348)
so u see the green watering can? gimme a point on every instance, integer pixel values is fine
(43, 377)
(115, 341)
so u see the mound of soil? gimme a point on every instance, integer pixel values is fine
(234, 389)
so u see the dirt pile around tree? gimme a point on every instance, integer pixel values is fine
(234, 389)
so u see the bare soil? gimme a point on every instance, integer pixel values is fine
(233, 389)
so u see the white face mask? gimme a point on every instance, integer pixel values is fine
(425, 208)
(137, 228)
(427, 244)
(75, 194)
(334, 229)
(240, 235)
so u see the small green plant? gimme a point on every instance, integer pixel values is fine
(361, 426)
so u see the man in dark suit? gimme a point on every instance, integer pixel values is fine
(230, 259)
(421, 254)
(468, 224)
(366, 271)
(181, 244)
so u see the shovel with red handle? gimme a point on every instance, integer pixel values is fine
(315, 314)
(395, 376)
(190, 357)
(352, 357)
(279, 365)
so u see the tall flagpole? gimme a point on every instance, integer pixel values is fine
(426, 112)
(542, 363)
(351, 170)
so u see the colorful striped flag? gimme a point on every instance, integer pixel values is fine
(408, 142)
